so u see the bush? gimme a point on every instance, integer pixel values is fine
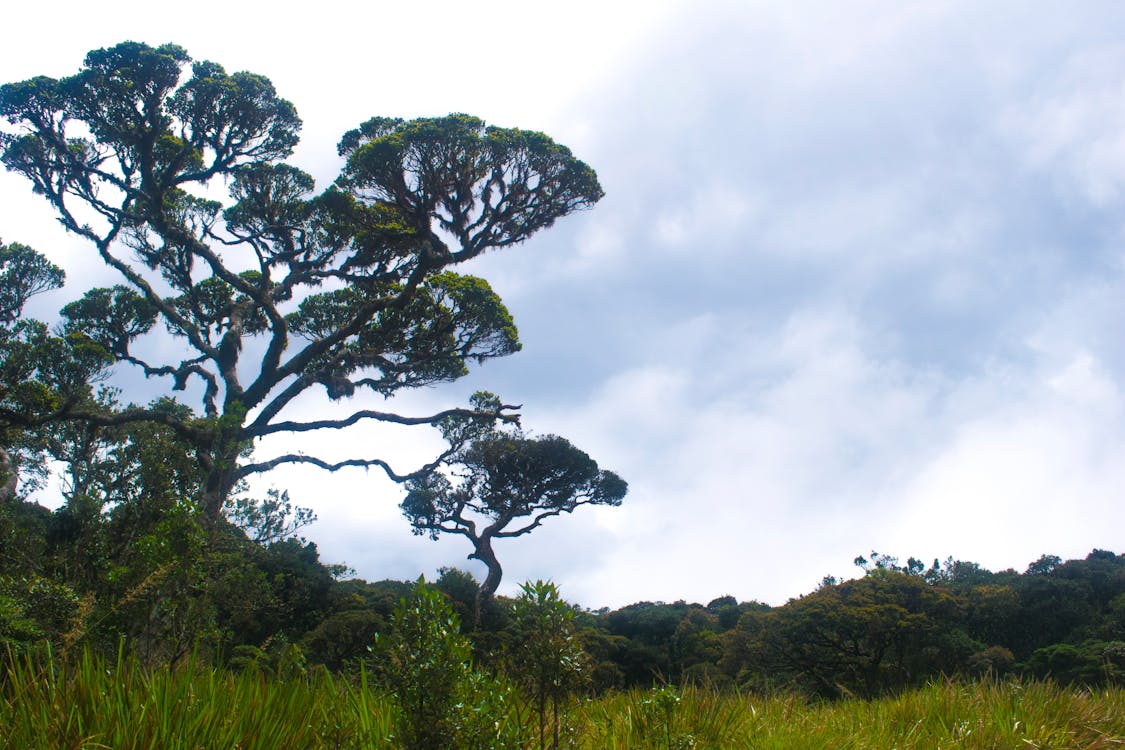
(1089, 663)
(443, 704)
(546, 658)
(33, 608)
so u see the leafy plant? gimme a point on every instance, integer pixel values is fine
(442, 702)
(547, 657)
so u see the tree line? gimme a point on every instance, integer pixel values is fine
(254, 593)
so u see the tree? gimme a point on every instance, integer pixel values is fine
(280, 290)
(23, 273)
(505, 484)
(271, 520)
(887, 630)
(39, 371)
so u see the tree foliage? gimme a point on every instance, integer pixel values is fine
(281, 289)
(41, 373)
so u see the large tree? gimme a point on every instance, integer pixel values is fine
(505, 484)
(279, 289)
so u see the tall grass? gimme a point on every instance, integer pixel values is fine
(984, 715)
(943, 715)
(85, 703)
(88, 703)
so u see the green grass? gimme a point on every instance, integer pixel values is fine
(84, 704)
(987, 716)
(87, 704)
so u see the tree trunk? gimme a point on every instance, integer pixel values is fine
(220, 475)
(216, 489)
(491, 582)
(8, 476)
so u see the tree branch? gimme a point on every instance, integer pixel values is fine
(500, 534)
(365, 463)
(502, 413)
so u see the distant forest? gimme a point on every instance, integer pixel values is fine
(144, 574)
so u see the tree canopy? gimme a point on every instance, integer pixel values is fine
(277, 289)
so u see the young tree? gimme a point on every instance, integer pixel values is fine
(546, 656)
(443, 702)
(505, 484)
(282, 290)
(40, 373)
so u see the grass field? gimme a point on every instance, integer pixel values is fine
(87, 704)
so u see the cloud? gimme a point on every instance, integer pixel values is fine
(850, 304)
(1036, 474)
(1070, 128)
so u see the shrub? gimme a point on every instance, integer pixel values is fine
(443, 704)
(546, 657)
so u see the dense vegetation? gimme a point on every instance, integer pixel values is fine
(245, 613)
(150, 573)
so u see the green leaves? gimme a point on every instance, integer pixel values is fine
(23, 274)
(521, 475)
(443, 703)
(510, 483)
(546, 653)
(270, 198)
(33, 609)
(235, 116)
(862, 636)
(506, 485)
(546, 657)
(141, 136)
(111, 317)
(427, 660)
(451, 320)
(485, 186)
(42, 374)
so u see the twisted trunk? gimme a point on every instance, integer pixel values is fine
(483, 552)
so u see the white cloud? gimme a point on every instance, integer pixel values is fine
(1040, 474)
(1072, 126)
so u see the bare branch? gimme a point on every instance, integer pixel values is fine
(538, 521)
(503, 413)
(365, 463)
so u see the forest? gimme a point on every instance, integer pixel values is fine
(161, 569)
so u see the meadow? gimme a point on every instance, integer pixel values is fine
(84, 703)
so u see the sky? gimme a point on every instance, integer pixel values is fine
(857, 283)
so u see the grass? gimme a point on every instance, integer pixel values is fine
(947, 715)
(86, 704)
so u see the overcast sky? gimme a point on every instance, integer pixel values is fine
(858, 281)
